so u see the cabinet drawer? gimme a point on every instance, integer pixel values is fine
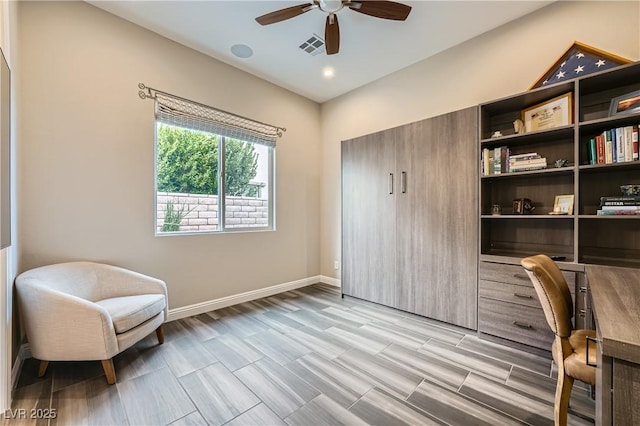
(523, 324)
(522, 295)
(515, 274)
(509, 293)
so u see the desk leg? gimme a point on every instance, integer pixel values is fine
(626, 401)
(604, 374)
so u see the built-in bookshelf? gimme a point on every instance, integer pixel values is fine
(584, 236)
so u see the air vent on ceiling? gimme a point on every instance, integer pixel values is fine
(313, 46)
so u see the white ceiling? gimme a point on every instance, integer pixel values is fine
(370, 47)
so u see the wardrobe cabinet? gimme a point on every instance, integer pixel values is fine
(369, 217)
(410, 221)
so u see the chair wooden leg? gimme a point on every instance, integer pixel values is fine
(109, 371)
(563, 395)
(160, 335)
(43, 368)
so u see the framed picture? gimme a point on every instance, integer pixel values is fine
(563, 204)
(625, 104)
(547, 115)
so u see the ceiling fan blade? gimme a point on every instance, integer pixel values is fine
(332, 35)
(284, 14)
(382, 9)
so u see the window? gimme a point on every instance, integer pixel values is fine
(211, 175)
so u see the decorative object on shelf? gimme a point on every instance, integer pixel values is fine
(496, 210)
(561, 162)
(518, 126)
(555, 112)
(496, 134)
(577, 61)
(523, 206)
(628, 103)
(631, 190)
(563, 204)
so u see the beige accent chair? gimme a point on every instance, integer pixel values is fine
(81, 311)
(570, 347)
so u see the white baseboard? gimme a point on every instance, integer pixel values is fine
(329, 280)
(223, 302)
(23, 353)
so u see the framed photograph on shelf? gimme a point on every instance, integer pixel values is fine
(625, 104)
(563, 204)
(555, 112)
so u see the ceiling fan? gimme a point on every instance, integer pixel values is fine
(380, 9)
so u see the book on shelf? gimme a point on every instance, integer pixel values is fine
(608, 147)
(620, 144)
(540, 160)
(618, 212)
(528, 166)
(500, 160)
(600, 149)
(620, 198)
(620, 203)
(495, 161)
(631, 207)
(522, 157)
(617, 145)
(591, 150)
(634, 142)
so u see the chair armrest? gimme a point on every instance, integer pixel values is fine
(62, 327)
(118, 282)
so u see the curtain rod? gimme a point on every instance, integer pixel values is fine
(151, 94)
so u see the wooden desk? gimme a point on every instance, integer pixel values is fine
(615, 298)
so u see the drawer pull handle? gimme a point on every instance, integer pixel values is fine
(583, 289)
(524, 296)
(521, 276)
(521, 324)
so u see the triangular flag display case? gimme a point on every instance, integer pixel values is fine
(577, 61)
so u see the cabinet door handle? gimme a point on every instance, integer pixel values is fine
(583, 289)
(521, 324)
(403, 182)
(524, 296)
(390, 183)
(521, 276)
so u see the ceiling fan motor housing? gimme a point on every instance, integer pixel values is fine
(330, 6)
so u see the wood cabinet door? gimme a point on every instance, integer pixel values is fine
(369, 186)
(437, 218)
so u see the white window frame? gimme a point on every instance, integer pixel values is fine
(221, 227)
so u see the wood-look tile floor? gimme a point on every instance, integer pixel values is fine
(304, 357)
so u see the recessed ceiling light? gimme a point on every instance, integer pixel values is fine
(242, 51)
(328, 72)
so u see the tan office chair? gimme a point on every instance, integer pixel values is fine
(569, 347)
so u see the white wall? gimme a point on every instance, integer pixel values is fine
(87, 139)
(8, 260)
(499, 63)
